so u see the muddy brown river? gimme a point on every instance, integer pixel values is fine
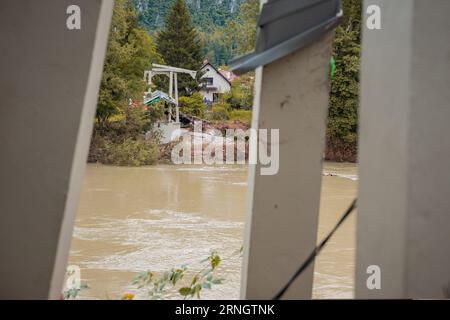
(155, 218)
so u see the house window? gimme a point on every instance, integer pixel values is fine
(209, 81)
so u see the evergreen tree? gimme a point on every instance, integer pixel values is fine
(342, 133)
(206, 14)
(152, 13)
(178, 43)
(212, 19)
(246, 33)
(238, 36)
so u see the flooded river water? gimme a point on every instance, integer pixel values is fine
(156, 218)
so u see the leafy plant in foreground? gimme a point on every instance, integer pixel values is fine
(177, 279)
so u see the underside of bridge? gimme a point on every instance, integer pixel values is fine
(49, 82)
(50, 71)
(403, 227)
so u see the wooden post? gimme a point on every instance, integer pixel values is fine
(50, 75)
(292, 95)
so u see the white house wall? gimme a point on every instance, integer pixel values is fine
(209, 95)
(219, 82)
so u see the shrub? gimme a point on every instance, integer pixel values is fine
(192, 106)
(134, 123)
(244, 116)
(241, 94)
(156, 111)
(123, 142)
(132, 153)
(129, 152)
(220, 112)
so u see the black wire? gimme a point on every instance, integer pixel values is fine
(315, 252)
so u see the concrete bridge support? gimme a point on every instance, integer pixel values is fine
(51, 59)
(404, 207)
(282, 214)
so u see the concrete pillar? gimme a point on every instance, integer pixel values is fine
(404, 203)
(282, 215)
(49, 82)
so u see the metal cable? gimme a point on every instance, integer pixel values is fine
(315, 252)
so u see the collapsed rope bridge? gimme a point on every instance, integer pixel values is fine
(316, 251)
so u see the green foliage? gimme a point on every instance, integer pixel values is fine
(131, 152)
(152, 13)
(241, 94)
(241, 33)
(244, 116)
(226, 27)
(178, 279)
(178, 43)
(352, 16)
(72, 294)
(134, 123)
(206, 14)
(123, 143)
(193, 105)
(119, 130)
(130, 52)
(343, 112)
(156, 111)
(220, 112)
(236, 37)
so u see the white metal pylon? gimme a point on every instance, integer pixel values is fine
(172, 73)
